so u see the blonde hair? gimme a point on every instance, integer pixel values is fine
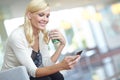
(34, 6)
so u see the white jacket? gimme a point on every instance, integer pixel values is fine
(18, 52)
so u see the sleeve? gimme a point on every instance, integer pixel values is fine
(17, 43)
(46, 56)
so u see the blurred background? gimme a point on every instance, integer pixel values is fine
(90, 25)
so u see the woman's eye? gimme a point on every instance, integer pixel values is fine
(41, 15)
(47, 16)
(44, 15)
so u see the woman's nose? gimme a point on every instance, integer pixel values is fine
(45, 18)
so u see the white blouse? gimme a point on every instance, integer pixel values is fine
(18, 52)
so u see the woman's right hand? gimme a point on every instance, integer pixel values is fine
(69, 62)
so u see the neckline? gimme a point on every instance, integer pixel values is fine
(36, 51)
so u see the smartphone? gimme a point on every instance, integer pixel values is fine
(79, 52)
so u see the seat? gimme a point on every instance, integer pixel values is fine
(17, 73)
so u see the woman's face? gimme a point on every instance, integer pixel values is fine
(40, 19)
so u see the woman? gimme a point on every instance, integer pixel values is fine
(28, 46)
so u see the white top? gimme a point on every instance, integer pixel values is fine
(18, 52)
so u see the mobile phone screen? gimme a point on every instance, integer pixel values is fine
(79, 53)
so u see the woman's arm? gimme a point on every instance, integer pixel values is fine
(57, 53)
(19, 47)
(44, 71)
(67, 63)
(55, 34)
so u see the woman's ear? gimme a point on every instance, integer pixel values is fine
(29, 15)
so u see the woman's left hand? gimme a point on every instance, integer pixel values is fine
(56, 34)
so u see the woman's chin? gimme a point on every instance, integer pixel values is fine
(42, 28)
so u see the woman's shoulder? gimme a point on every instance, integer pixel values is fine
(18, 32)
(17, 37)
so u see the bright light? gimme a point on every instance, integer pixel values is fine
(11, 24)
(90, 53)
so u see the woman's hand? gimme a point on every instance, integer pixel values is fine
(56, 34)
(69, 62)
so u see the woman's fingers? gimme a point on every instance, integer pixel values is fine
(56, 34)
(78, 58)
(70, 61)
(72, 58)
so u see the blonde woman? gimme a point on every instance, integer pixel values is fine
(28, 46)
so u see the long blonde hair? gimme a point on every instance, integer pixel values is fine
(34, 6)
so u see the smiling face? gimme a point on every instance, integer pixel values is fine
(39, 19)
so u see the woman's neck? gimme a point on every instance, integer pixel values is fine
(35, 32)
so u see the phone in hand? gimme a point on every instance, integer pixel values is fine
(80, 52)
